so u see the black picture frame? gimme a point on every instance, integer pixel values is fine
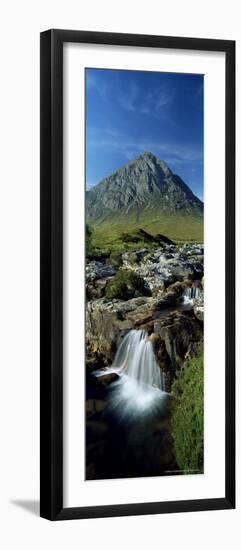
(51, 323)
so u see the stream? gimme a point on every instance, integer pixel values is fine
(128, 435)
(128, 410)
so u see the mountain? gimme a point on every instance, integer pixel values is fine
(143, 187)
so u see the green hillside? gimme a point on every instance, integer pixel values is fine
(109, 235)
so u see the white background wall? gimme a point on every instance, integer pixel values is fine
(21, 23)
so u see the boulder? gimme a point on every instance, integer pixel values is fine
(96, 288)
(177, 337)
(97, 270)
(95, 360)
(108, 321)
(198, 308)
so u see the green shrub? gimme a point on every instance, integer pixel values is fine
(125, 285)
(187, 417)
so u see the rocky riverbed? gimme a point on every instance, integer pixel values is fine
(168, 304)
(161, 292)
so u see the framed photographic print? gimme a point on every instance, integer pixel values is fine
(137, 274)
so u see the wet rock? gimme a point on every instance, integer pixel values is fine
(96, 289)
(166, 265)
(95, 359)
(176, 337)
(97, 270)
(108, 378)
(198, 308)
(167, 271)
(93, 406)
(108, 321)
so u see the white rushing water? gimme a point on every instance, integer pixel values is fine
(139, 391)
(190, 294)
(135, 358)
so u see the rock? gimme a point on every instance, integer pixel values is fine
(97, 270)
(159, 269)
(194, 350)
(177, 287)
(163, 358)
(166, 265)
(131, 258)
(177, 337)
(93, 406)
(96, 360)
(115, 259)
(198, 308)
(167, 271)
(108, 378)
(96, 288)
(91, 292)
(169, 298)
(108, 321)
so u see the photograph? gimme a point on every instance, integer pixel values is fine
(119, 320)
(144, 264)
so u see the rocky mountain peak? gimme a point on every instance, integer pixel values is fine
(147, 156)
(144, 183)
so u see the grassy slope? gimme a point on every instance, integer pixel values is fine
(107, 235)
(187, 419)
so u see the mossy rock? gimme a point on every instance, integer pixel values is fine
(126, 284)
(115, 259)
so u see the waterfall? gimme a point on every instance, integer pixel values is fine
(135, 358)
(190, 294)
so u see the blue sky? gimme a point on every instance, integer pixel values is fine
(129, 112)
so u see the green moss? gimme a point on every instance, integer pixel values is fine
(187, 418)
(124, 285)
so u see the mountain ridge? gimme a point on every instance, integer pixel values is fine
(145, 185)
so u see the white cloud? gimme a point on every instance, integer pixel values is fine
(163, 98)
(96, 83)
(151, 103)
(129, 100)
(169, 152)
(134, 99)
